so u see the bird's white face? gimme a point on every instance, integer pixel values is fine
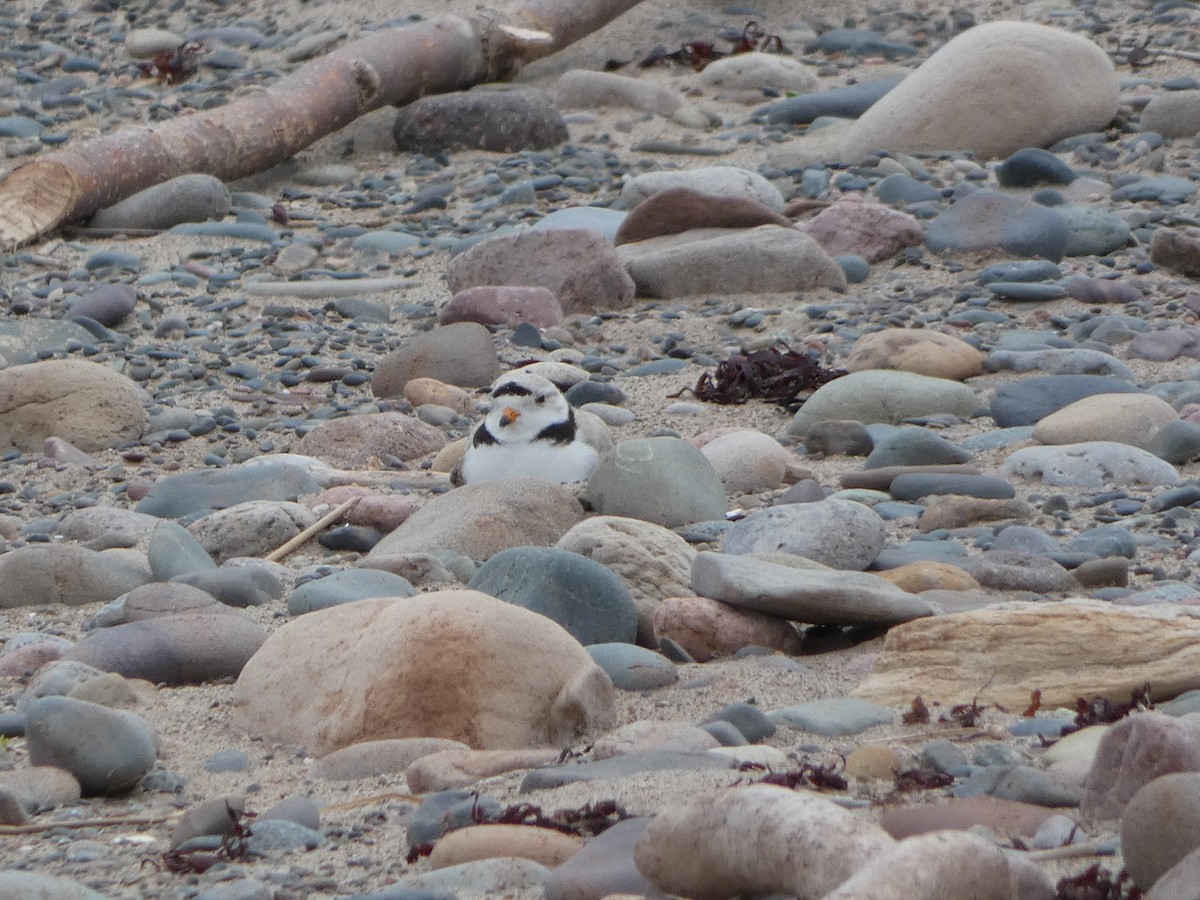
(523, 407)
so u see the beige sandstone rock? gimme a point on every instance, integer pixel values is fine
(994, 89)
(543, 845)
(479, 520)
(452, 664)
(455, 768)
(929, 576)
(1126, 418)
(85, 403)
(1075, 648)
(754, 840)
(932, 867)
(921, 351)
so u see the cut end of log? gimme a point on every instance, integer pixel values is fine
(36, 199)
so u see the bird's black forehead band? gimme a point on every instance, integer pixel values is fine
(511, 389)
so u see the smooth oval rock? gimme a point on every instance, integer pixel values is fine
(663, 480)
(744, 841)
(992, 90)
(877, 395)
(107, 750)
(486, 672)
(85, 403)
(841, 534)
(583, 596)
(187, 648)
(480, 520)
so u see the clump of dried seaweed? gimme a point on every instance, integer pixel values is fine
(771, 374)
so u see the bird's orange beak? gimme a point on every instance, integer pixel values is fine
(509, 416)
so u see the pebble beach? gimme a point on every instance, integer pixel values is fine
(925, 628)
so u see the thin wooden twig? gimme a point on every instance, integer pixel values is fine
(332, 516)
(103, 822)
(370, 801)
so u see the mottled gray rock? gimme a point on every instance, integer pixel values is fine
(1093, 464)
(838, 533)
(578, 265)
(255, 528)
(500, 121)
(173, 551)
(479, 520)
(766, 259)
(201, 491)
(724, 181)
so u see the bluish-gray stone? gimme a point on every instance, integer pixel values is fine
(237, 586)
(446, 811)
(586, 598)
(753, 724)
(1032, 166)
(915, 485)
(1020, 270)
(192, 493)
(1093, 232)
(189, 648)
(1028, 400)
(107, 750)
(991, 220)
(172, 551)
(1177, 442)
(194, 197)
(846, 103)
(664, 480)
(346, 587)
(1105, 540)
(914, 447)
(920, 551)
(900, 189)
(1023, 784)
(833, 716)
(597, 218)
(1027, 291)
(633, 668)
(107, 304)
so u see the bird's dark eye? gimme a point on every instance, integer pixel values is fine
(541, 398)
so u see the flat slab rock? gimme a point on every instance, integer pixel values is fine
(815, 596)
(1075, 648)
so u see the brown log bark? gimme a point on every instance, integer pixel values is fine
(257, 131)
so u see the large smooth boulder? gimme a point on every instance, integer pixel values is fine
(450, 664)
(993, 90)
(85, 403)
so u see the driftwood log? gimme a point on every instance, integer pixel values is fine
(260, 130)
